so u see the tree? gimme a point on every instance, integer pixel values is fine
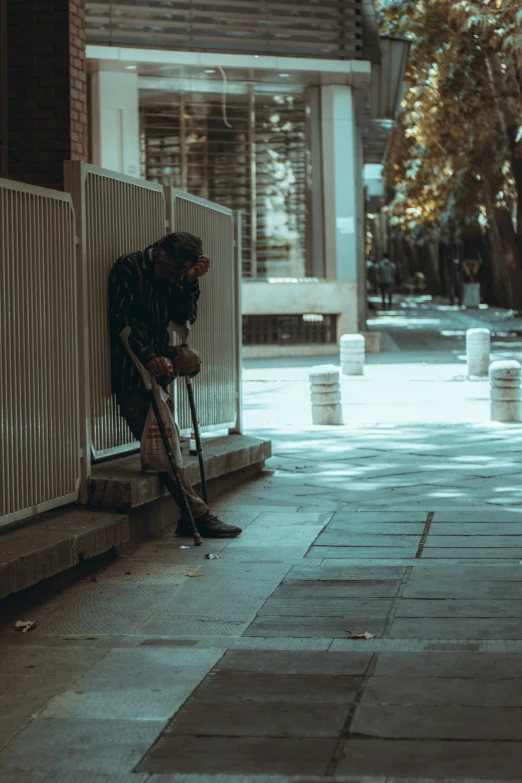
(455, 161)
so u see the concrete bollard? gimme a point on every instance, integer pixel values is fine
(326, 395)
(352, 354)
(478, 344)
(506, 395)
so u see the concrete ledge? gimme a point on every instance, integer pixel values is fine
(55, 542)
(289, 351)
(121, 484)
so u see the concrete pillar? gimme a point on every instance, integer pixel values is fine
(506, 395)
(115, 121)
(326, 395)
(352, 354)
(478, 343)
(316, 228)
(342, 184)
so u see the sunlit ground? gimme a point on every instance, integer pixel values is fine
(416, 429)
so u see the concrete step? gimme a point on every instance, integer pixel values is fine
(121, 484)
(55, 542)
(126, 506)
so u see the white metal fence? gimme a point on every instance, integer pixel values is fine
(216, 333)
(115, 215)
(56, 251)
(39, 382)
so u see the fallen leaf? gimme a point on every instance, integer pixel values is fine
(361, 635)
(212, 557)
(193, 573)
(24, 626)
(30, 666)
(93, 579)
(128, 573)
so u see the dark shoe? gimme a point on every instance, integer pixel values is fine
(209, 526)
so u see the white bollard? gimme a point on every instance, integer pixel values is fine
(326, 395)
(352, 354)
(506, 395)
(478, 344)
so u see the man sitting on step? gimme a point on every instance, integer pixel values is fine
(147, 291)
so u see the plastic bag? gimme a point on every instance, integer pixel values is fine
(152, 449)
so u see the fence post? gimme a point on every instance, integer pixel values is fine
(74, 180)
(238, 256)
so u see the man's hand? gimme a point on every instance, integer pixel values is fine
(199, 269)
(187, 361)
(159, 366)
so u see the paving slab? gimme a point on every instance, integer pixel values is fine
(325, 591)
(440, 760)
(329, 607)
(363, 553)
(329, 573)
(499, 572)
(463, 590)
(32, 676)
(414, 721)
(465, 628)
(149, 683)
(164, 623)
(336, 533)
(225, 687)
(258, 719)
(367, 539)
(65, 745)
(473, 552)
(306, 663)
(418, 690)
(473, 540)
(333, 627)
(476, 529)
(233, 755)
(458, 608)
(370, 517)
(477, 515)
(492, 666)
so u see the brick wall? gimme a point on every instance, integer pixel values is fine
(47, 89)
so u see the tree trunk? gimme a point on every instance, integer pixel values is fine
(429, 258)
(503, 250)
(504, 90)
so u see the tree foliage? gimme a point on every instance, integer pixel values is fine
(455, 161)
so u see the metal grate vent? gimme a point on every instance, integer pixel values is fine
(309, 28)
(289, 329)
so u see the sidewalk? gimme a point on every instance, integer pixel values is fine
(406, 524)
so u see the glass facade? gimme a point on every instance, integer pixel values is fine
(250, 152)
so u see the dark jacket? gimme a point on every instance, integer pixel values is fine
(137, 299)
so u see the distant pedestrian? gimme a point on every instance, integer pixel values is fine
(371, 277)
(386, 274)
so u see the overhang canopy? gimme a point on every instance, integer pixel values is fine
(387, 92)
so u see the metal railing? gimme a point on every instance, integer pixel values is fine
(39, 380)
(217, 331)
(115, 214)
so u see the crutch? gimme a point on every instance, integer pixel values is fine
(183, 332)
(152, 388)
